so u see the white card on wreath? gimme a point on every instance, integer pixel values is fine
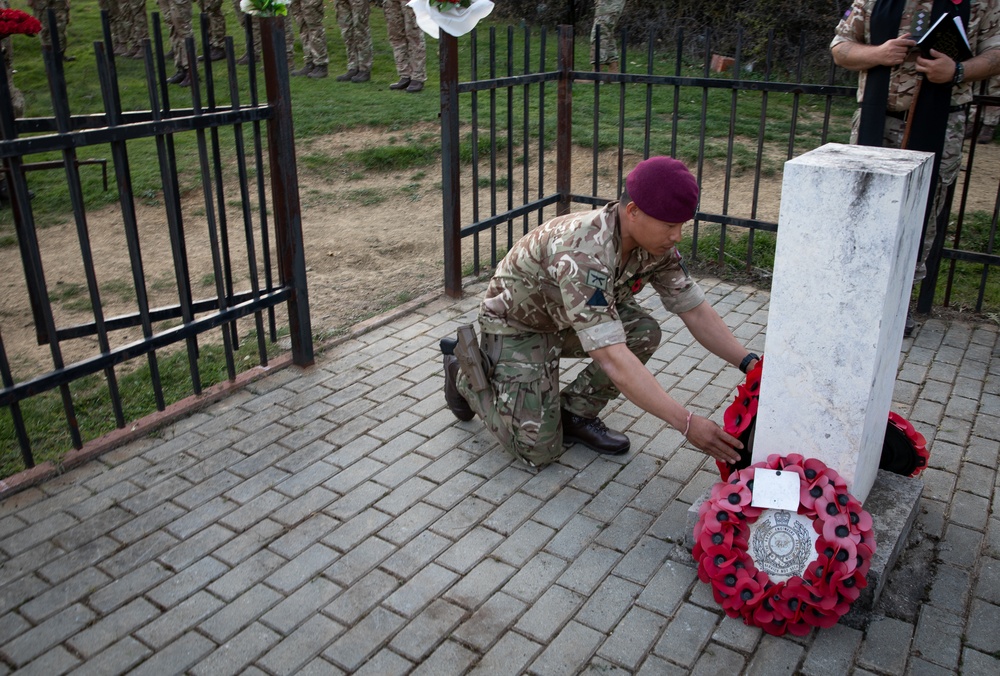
(775, 489)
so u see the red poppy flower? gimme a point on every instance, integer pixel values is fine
(732, 497)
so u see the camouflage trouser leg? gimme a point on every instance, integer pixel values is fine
(951, 163)
(176, 15)
(522, 406)
(116, 21)
(352, 17)
(407, 40)
(212, 9)
(312, 33)
(61, 9)
(137, 26)
(593, 389)
(606, 15)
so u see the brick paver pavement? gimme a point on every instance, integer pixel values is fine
(338, 519)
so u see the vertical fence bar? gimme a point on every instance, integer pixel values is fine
(285, 188)
(541, 123)
(623, 60)
(451, 188)
(510, 135)
(474, 136)
(526, 133)
(596, 133)
(648, 117)
(564, 121)
(493, 143)
(7, 380)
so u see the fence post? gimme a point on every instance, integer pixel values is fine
(285, 187)
(564, 121)
(452, 205)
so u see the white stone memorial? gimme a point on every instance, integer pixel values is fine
(849, 229)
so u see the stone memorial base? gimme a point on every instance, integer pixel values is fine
(892, 502)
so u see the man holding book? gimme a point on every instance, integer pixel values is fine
(918, 97)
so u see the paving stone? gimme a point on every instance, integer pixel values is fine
(886, 645)
(832, 651)
(632, 638)
(974, 662)
(239, 613)
(62, 595)
(248, 543)
(47, 635)
(775, 655)
(426, 631)
(117, 659)
(187, 582)
(523, 543)
(715, 660)
(304, 567)
(359, 598)
(357, 500)
(686, 635)
(939, 636)
(126, 588)
(608, 604)
(195, 547)
(45, 529)
(535, 577)
(988, 584)
(113, 628)
(549, 613)
(511, 513)
(469, 550)
(587, 571)
(358, 561)
(53, 662)
(305, 602)
(237, 654)
(482, 629)
(960, 546)
(178, 619)
(561, 508)
(420, 590)
(404, 495)
(449, 657)
(969, 510)
(574, 644)
(950, 589)
(361, 641)
(733, 633)
(479, 583)
(980, 632)
(460, 518)
(574, 537)
(301, 646)
(410, 523)
(415, 554)
(13, 595)
(176, 657)
(668, 587)
(246, 574)
(510, 655)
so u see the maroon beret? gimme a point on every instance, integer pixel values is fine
(664, 189)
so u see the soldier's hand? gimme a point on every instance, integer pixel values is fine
(894, 52)
(939, 68)
(712, 440)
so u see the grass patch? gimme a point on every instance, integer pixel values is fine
(974, 287)
(45, 418)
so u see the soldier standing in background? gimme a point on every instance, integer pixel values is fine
(176, 15)
(61, 8)
(289, 38)
(312, 34)
(116, 21)
(606, 16)
(216, 29)
(133, 13)
(408, 48)
(352, 17)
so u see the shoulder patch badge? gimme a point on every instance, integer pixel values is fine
(596, 279)
(598, 299)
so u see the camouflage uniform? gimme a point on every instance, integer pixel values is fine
(176, 15)
(562, 291)
(116, 21)
(136, 25)
(289, 36)
(6, 48)
(61, 8)
(212, 9)
(352, 17)
(983, 33)
(407, 40)
(312, 34)
(606, 15)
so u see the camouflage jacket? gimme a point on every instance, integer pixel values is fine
(983, 32)
(568, 273)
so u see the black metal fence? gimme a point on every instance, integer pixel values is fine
(238, 195)
(734, 123)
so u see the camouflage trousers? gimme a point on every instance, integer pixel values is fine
(61, 9)
(352, 17)
(116, 21)
(7, 59)
(606, 16)
(407, 40)
(523, 405)
(176, 15)
(312, 34)
(289, 35)
(951, 162)
(212, 9)
(991, 116)
(134, 23)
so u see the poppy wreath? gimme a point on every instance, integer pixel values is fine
(824, 592)
(16, 22)
(904, 450)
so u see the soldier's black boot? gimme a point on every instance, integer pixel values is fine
(593, 434)
(457, 404)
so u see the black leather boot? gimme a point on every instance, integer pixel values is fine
(457, 404)
(593, 434)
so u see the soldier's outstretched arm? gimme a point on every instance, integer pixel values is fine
(640, 387)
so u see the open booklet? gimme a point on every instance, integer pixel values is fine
(947, 36)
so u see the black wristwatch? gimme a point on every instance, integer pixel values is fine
(959, 75)
(745, 364)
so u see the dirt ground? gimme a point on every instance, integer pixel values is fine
(373, 240)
